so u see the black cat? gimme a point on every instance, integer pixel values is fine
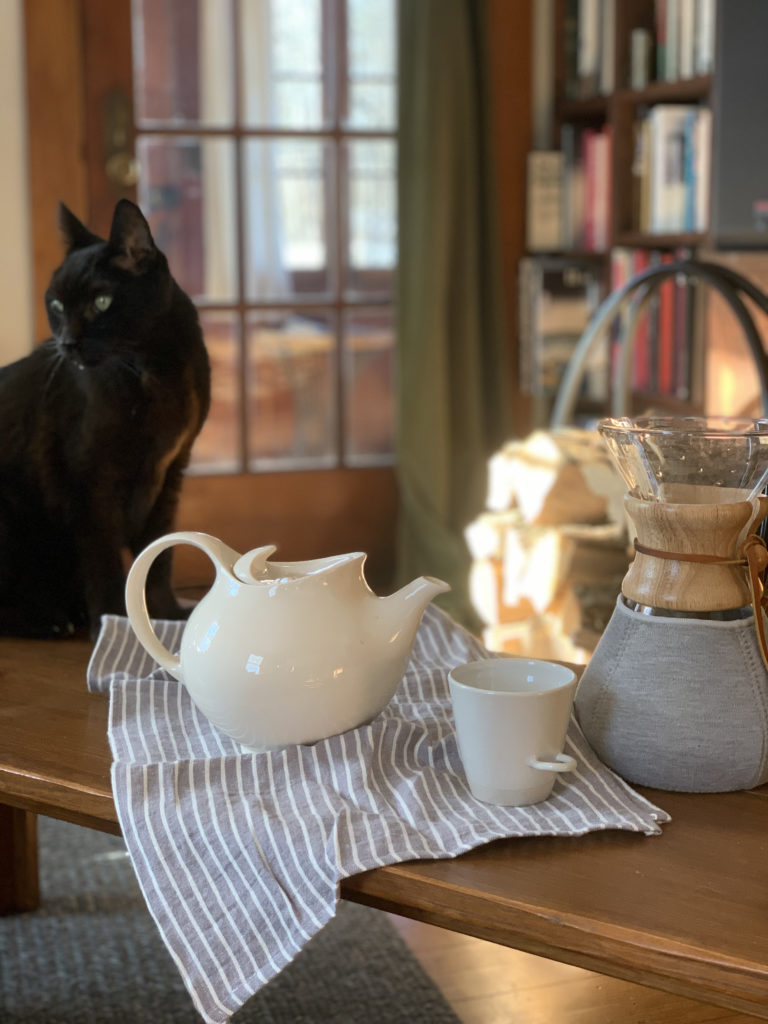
(96, 427)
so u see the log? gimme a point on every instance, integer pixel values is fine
(557, 477)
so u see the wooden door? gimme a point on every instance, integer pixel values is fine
(80, 73)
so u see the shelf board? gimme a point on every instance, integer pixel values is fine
(687, 90)
(643, 240)
(594, 108)
(581, 255)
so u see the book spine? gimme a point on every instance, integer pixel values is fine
(667, 167)
(568, 144)
(588, 58)
(684, 336)
(544, 215)
(672, 35)
(687, 38)
(641, 356)
(689, 170)
(601, 189)
(588, 166)
(607, 76)
(526, 285)
(620, 272)
(666, 383)
(660, 19)
(702, 168)
(571, 49)
(704, 37)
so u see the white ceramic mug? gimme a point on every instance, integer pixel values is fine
(511, 717)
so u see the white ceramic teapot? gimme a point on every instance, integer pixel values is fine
(285, 652)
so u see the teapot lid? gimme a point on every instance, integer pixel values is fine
(254, 567)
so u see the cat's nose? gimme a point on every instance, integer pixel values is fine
(69, 338)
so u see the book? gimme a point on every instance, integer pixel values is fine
(704, 37)
(641, 51)
(660, 19)
(667, 181)
(686, 38)
(643, 359)
(607, 61)
(544, 201)
(588, 48)
(641, 164)
(665, 383)
(685, 338)
(672, 44)
(702, 162)
(601, 190)
(573, 187)
(571, 49)
(558, 297)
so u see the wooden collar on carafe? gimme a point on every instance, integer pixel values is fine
(754, 558)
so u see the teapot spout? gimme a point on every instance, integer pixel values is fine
(404, 608)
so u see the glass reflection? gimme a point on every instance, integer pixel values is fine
(371, 64)
(371, 201)
(182, 62)
(292, 420)
(286, 222)
(369, 386)
(186, 190)
(217, 448)
(282, 65)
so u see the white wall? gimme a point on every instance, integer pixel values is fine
(16, 311)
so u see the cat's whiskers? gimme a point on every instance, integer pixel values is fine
(56, 361)
(127, 364)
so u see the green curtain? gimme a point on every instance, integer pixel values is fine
(453, 382)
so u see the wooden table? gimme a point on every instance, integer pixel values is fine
(686, 911)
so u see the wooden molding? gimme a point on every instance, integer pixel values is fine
(55, 98)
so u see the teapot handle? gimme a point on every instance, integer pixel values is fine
(222, 556)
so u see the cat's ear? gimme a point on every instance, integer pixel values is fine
(76, 235)
(131, 239)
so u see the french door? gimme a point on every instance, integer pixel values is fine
(258, 136)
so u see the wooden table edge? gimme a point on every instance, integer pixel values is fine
(406, 889)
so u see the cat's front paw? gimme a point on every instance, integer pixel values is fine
(54, 626)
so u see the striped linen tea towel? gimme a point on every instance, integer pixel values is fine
(239, 855)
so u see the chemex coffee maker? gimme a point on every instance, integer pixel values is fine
(676, 693)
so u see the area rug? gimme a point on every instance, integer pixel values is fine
(92, 955)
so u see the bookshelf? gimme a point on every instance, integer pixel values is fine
(632, 131)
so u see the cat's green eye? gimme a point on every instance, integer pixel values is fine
(102, 302)
(57, 305)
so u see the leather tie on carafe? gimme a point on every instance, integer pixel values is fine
(754, 559)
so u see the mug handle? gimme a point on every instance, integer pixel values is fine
(222, 556)
(562, 763)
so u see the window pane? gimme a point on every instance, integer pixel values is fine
(217, 448)
(182, 62)
(286, 223)
(282, 67)
(291, 390)
(186, 189)
(372, 245)
(369, 359)
(372, 63)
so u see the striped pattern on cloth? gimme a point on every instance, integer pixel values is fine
(239, 855)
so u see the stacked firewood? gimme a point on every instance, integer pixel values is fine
(550, 551)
